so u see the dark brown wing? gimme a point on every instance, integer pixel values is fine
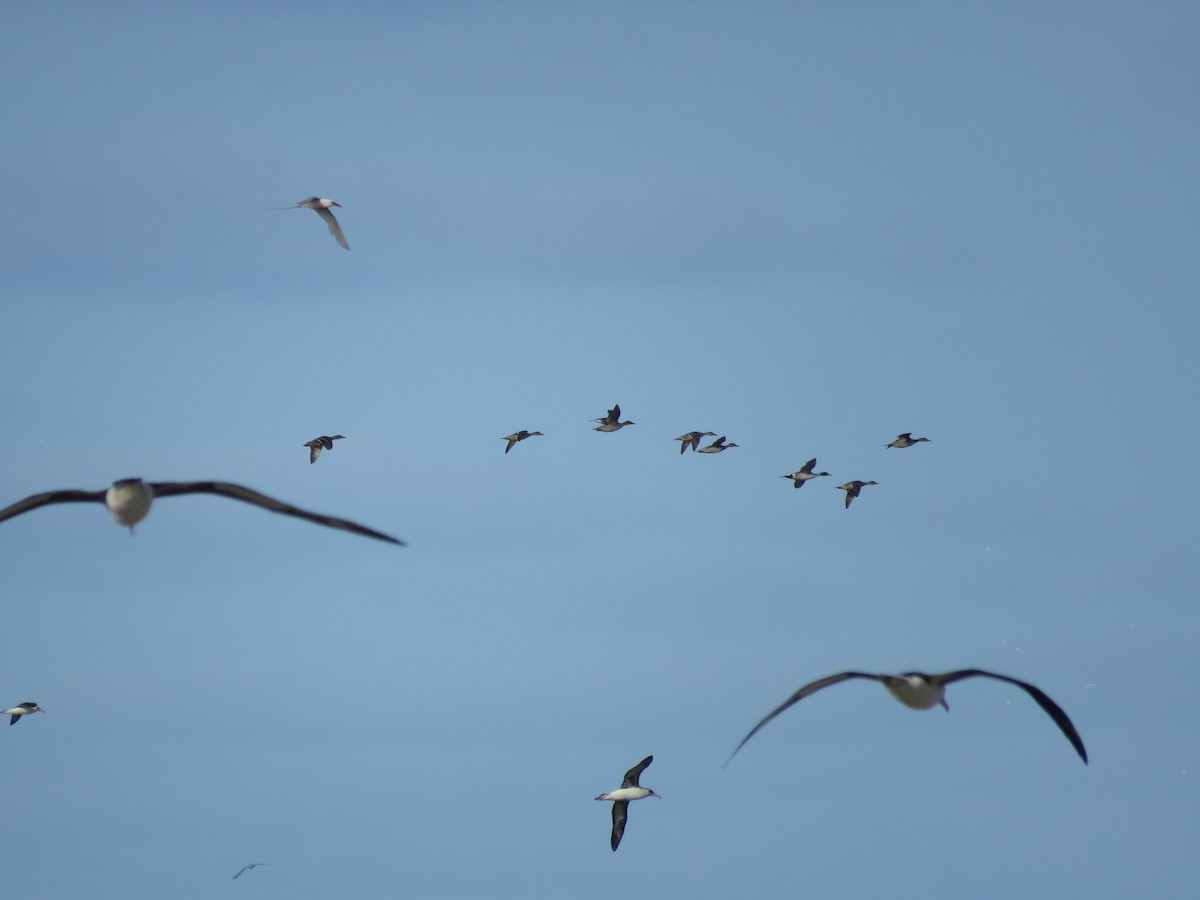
(620, 814)
(246, 495)
(1052, 709)
(67, 496)
(632, 776)
(810, 688)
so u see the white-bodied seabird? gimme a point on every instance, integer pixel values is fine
(129, 500)
(518, 436)
(805, 473)
(21, 709)
(852, 488)
(610, 422)
(917, 690)
(692, 439)
(320, 205)
(629, 790)
(717, 446)
(247, 868)
(324, 442)
(905, 440)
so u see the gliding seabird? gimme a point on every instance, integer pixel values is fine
(629, 790)
(320, 205)
(917, 690)
(21, 709)
(129, 500)
(247, 868)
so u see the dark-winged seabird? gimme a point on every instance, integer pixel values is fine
(629, 790)
(129, 500)
(316, 445)
(852, 488)
(247, 868)
(917, 690)
(610, 422)
(805, 473)
(518, 436)
(321, 205)
(21, 709)
(905, 440)
(692, 439)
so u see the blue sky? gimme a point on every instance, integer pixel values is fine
(808, 227)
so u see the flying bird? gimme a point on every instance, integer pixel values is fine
(852, 488)
(717, 446)
(325, 442)
(805, 473)
(905, 440)
(692, 439)
(518, 436)
(129, 500)
(247, 868)
(610, 422)
(917, 690)
(621, 797)
(320, 205)
(21, 709)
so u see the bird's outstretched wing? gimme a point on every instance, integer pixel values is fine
(45, 499)
(246, 495)
(809, 689)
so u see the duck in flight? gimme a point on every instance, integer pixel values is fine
(852, 488)
(905, 440)
(129, 500)
(917, 690)
(692, 439)
(324, 442)
(621, 797)
(805, 473)
(518, 436)
(321, 205)
(247, 868)
(717, 446)
(610, 422)
(21, 709)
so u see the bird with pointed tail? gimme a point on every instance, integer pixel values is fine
(321, 206)
(611, 421)
(518, 436)
(692, 439)
(804, 473)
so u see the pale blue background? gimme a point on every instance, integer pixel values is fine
(807, 226)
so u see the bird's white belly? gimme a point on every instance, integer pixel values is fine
(632, 793)
(915, 694)
(129, 503)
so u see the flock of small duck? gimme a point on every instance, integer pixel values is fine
(129, 500)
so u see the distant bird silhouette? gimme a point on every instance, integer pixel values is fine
(609, 422)
(916, 690)
(805, 473)
(317, 444)
(621, 797)
(21, 709)
(692, 439)
(905, 440)
(852, 488)
(320, 205)
(518, 436)
(247, 868)
(717, 446)
(129, 500)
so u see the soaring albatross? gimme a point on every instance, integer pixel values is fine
(129, 500)
(621, 797)
(917, 690)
